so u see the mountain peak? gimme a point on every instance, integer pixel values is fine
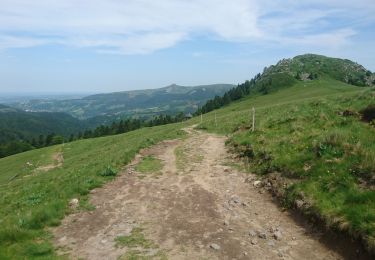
(310, 66)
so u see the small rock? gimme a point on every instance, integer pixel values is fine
(257, 183)
(243, 243)
(294, 238)
(262, 235)
(277, 235)
(226, 223)
(103, 241)
(299, 204)
(254, 241)
(252, 233)
(273, 229)
(245, 253)
(248, 180)
(74, 203)
(236, 200)
(215, 246)
(271, 243)
(279, 254)
(244, 204)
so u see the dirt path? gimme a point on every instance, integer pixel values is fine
(198, 208)
(58, 161)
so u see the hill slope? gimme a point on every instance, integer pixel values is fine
(139, 103)
(289, 72)
(16, 124)
(312, 66)
(312, 149)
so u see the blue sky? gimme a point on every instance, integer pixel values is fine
(86, 46)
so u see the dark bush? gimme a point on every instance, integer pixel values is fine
(368, 114)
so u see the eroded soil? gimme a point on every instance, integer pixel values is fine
(198, 208)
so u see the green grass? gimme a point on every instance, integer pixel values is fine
(29, 204)
(184, 158)
(149, 164)
(134, 239)
(17, 166)
(139, 255)
(301, 134)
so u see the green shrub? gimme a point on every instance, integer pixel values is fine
(108, 171)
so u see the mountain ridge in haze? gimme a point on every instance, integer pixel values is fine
(135, 103)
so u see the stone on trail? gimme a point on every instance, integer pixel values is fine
(73, 203)
(215, 246)
(252, 233)
(262, 235)
(277, 235)
(299, 204)
(257, 183)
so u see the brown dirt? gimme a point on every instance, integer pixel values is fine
(187, 209)
(58, 159)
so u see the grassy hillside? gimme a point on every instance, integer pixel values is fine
(31, 199)
(311, 135)
(289, 72)
(16, 124)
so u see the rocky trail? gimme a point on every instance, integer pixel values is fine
(198, 206)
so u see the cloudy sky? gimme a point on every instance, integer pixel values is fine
(109, 45)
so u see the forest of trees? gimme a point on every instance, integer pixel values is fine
(260, 84)
(120, 127)
(236, 93)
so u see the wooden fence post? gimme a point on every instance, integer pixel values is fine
(253, 129)
(215, 119)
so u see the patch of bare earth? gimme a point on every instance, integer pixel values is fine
(203, 210)
(58, 161)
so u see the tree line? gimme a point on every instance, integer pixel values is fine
(119, 127)
(235, 93)
(260, 84)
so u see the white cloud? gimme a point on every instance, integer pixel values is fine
(144, 26)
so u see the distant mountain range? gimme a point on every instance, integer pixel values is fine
(137, 103)
(44, 116)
